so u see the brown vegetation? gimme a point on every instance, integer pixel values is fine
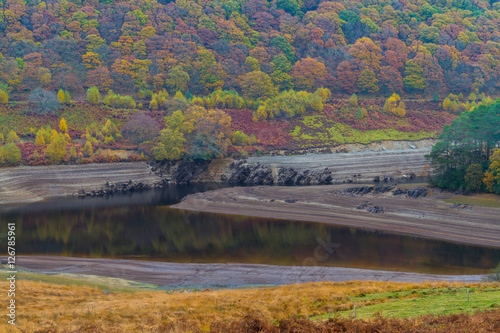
(44, 307)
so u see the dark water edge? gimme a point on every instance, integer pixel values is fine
(142, 226)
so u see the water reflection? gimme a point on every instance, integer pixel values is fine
(143, 226)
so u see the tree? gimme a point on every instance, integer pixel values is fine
(93, 95)
(308, 74)
(12, 137)
(140, 127)
(470, 139)
(56, 151)
(60, 96)
(367, 81)
(257, 84)
(395, 106)
(170, 146)
(413, 76)
(353, 100)
(45, 101)
(40, 140)
(492, 176)
(474, 177)
(87, 149)
(10, 154)
(4, 97)
(63, 127)
(177, 80)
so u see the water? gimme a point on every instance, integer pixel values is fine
(143, 226)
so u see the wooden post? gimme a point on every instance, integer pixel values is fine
(467, 294)
(355, 311)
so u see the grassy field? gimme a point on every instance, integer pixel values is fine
(414, 303)
(54, 303)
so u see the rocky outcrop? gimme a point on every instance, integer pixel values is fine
(109, 189)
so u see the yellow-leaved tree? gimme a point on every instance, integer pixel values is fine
(63, 126)
(395, 106)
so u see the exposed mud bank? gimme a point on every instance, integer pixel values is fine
(349, 163)
(221, 275)
(405, 210)
(31, 184)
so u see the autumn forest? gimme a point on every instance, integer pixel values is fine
(103, 81)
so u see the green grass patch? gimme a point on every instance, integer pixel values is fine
(484, 200)
(417, 302)
(316, 132)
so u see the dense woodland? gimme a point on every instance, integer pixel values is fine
(467, 155)
(411, 46)
(101, 81)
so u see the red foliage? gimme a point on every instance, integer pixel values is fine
(268, 133)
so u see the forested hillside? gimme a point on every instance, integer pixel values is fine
(202, 79)
(411, 46)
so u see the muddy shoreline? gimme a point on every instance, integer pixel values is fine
(21, 185)
(428, 216)
(220, 275)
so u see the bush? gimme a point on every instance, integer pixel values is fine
(241, 139)
(288, 104)
(140, 127)
(495, 274)
(119, 101)
(45, 101)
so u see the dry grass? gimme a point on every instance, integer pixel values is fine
(48, 307)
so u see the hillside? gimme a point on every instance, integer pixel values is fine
(281, 72)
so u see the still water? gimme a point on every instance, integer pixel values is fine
(143, 226)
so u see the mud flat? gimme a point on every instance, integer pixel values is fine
(220, 275)
(428, 216)
(31, 184)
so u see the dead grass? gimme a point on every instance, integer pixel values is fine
(48, 307)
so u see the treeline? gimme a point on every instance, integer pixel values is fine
(468, 153)
(256, 47)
